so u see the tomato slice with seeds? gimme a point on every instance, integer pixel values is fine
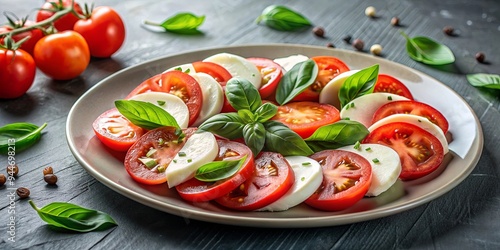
(115, 131)
(420, 152)
(346, 179)
(305, 117)
(271, 75)
(388, 84)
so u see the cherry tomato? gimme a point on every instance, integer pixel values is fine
(388, 84)
(413, 108)
(49, 8)
(271, 75)
(420, 152)
(17, 72)
(219, 73)
(34, 34)
(164, 144)
(346, 179)
(328, 68)
(272, 178)
(115, 131)
(305, 117)
(178, 83)
(199, 191)
(104, 31)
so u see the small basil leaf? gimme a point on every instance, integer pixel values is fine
(16, 137)
(72, 217)
(282, 18)
(246, 115)
(241, 94)
(228, 125)
(338, 134)
(266, 112)
(299, 78)
(358, 84)
(145, 115)
(279, 138)
(219, 170)
(425, 50)
(255, 136)
(490, 81)
(182, 23)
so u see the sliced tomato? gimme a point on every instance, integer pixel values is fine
(328, 68)
(388, 84)
(219, 73)
(305, 117)
(271, 75)
(273, 177)
(161, 145)
(178, 83)
(420, 152)
(115, 131)
(413, 108)
(346, 179)
(198, 191)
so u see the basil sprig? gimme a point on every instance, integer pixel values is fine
(358, 84)
(16, 137)
(71, 217)
(299, 78)
(219, 170)
(181, 23)
(145, 115)
(483, 80)
(425, 50)
(336, 135)
(282, 18)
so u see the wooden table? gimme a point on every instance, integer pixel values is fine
(467, 217)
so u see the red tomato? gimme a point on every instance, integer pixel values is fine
(199, 191)
(305, 117)
(420, 152)
(27, 45)
(219, 73)
(328, 68)
(17, 72)
(104, 31)
(178, 83)
(115, 131)
(161, 140)
(62, 56)
(413, 108)
(271, 75)
(49, 8)
(346, 179)
(273, 177)
(388, 84)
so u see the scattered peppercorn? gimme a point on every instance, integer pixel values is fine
(23, 192)
(13, 170)
(48, 170)
(395, 21)
(319, 31)
(51, 179)
(358, 44)
(448, 30)
(3, 179)
(347, 39)
(330, 45)
(376, 49)
(480, 57)
(370, 11)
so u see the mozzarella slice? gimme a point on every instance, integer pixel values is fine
(288, 62)
(362, 108)
(308, 177)
(171, 103)
(237, 66)
(330, 93)
(200, 148)
(213, 96)
(186, 68)
(420, 121)
(385, 163)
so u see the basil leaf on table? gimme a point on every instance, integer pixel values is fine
(228, 125)
(265, 112)
(336, 135)
(299, 78)
(483, 80)
(145, 115)
(255, 136)
(67, 216)
(282, 18)
(425, 50)
(181, 23)
(279, 138)
(241, 94)
(19, 136)
(219, 170)
(358, 84)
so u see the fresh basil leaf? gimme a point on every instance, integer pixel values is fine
(255, 137)
(299, 78)
(145, 115)
(16, 137)
(219, 170)
(279, 138)
(338, 134)
(246, 115)
(228, 125)
(266, 112)
(358, 84)
(72, 217)
(282, 18)
(483, 80)
(425, 50)
(181, 23)
(241, 94)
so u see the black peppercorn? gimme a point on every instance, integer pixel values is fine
(395, 21)
(448, 30)
(347, 39)
(319, 31)
(480, 57)
(358, 44)
(330, 45)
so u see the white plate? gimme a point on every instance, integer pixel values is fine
(108, 168)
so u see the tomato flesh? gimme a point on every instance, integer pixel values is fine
(115, 131)
(219, 73)
(388, 84)
(271, 73)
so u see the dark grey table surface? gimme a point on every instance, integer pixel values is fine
(467, 217)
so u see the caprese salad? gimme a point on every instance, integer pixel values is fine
(260, 134)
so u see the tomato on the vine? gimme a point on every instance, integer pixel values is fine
(50, 7)
(34, 35)
(17, 72)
